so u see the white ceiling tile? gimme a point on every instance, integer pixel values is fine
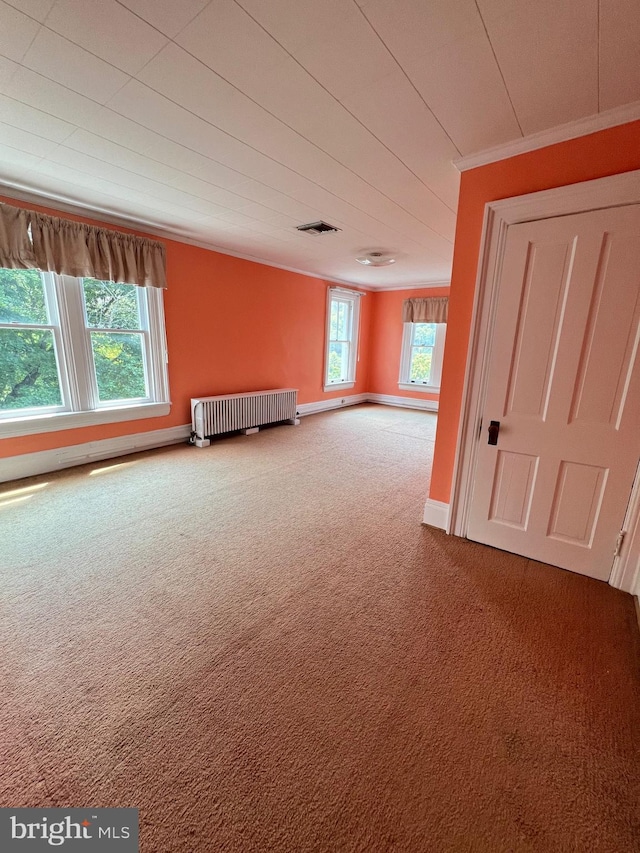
(463, 86)
(562, 40)
(219, 196)
(255, 191)
(235, 217)
(93, 167)
(619, 52)
(350, 144)
(108, 30)
(130, 134)
(303, 105)
(343, 52)
(117, 155)
(306, 107)
(212, 98)
(22, 140)
(77, 69)
(93, 186)
(278, 175)
(50, 97)
(139, 103)
(186, 81)
(38, 9)
(36, 121)
(14, 175)
(295, 97)
(349, 60)
(12, 156)
(297, 210)
(17, 32)
(167, 15)
(112, 125)
(7, 70)
(295, 23)
(262, 212)
(132, 180)
(395, 113)
(492, 9)
(266, 228)
(413, 30)
(273, 217)
(230, 42)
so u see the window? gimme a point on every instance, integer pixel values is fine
(343, 312)
(421, 360)
(75, 352)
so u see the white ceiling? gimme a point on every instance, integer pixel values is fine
(230, 122)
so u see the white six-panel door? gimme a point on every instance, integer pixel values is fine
(564, 383)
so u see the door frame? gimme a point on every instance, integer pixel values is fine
(614, 191)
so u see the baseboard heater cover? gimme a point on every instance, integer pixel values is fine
(247, 412)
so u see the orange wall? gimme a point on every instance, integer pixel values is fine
(232, 326)
(608, 152)
(386, 336)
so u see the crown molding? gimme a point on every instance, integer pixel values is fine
(420, 285)
(544, 138)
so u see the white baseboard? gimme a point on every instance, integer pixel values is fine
(405, 402)
(355, 399)
(333, 403)
(44, 461)
(436, 514)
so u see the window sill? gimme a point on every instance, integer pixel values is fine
(339, 386)
(14, 427)
(415, 386)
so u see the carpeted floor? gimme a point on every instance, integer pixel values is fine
(260, 646)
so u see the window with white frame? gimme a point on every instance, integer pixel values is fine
(76, 351)
(421, 358)
(343, 314)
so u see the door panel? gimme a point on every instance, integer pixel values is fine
(564, 381)
(546, 278)
(513, 488)
(576, 502)
(611, 340)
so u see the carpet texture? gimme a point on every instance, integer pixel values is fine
(259, 646)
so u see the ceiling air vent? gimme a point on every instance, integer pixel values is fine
(317, 228)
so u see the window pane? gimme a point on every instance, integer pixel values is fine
(119, 366)
(340, 321)
(342, 334)
(28, 369)
(424, 334)
(22, 297)
(420, 369)
(111, 306)
(338, 362)
(333, 329)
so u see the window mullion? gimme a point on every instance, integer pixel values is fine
(82, 379)
(61, 349)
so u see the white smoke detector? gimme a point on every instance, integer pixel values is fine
(376, 259)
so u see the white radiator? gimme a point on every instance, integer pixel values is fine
(230, 412)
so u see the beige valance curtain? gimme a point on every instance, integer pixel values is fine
(73, 248)
(430, 309)
(16, 251)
